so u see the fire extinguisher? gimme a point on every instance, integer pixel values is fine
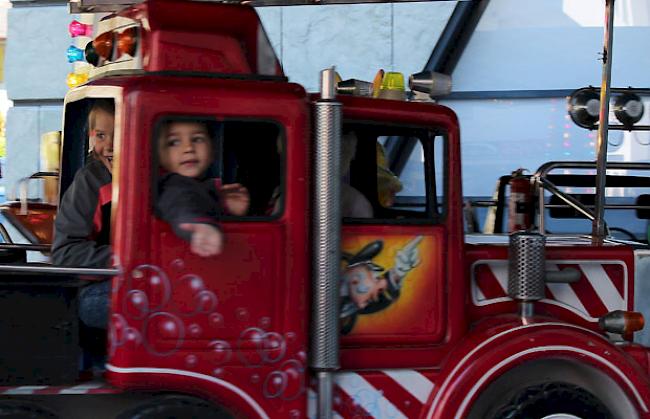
(520, 203)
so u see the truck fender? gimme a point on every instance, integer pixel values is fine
(496, 361)
(231, 397)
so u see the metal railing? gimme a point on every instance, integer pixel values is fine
(23, 188)
(541, 183)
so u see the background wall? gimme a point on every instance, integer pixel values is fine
(509, 86)
(35, 72)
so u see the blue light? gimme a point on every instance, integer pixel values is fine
(75, 54)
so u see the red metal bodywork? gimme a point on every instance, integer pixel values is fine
(234, 329)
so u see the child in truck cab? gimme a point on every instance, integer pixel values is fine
(81, 227)
(188, 198)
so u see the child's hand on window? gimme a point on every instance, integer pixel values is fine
(206, 241)
(236, 198)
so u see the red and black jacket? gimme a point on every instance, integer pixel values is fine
(82, 225)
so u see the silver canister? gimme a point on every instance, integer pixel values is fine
(526, 266)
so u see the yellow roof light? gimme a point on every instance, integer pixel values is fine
(75, 79)
(392, 86)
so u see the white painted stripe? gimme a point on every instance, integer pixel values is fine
(500, 271)
(368, 397)
(604, 286)
(555, 348)
(488, 341)
(81, 388)
(138, 370)
(564, 293)
(88, 386)
(412, 381)
(24, 389)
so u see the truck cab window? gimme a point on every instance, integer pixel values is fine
(244, 155)
(397, 171)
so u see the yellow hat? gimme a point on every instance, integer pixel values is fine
(387, 183)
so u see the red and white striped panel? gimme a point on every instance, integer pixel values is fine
(397, 394)
(91, 387)
(603, 286)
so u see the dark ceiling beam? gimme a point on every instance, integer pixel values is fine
(455, 36)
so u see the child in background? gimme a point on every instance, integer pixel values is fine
(82, 224)
(82, 229)
(188, 199)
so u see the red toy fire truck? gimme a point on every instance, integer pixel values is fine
(310, 312)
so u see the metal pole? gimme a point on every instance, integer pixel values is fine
(598, 226)
(326, 242)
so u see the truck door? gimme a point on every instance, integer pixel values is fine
(220, 324)
(394, 244)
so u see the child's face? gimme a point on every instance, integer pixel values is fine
(185, 148)
(101, 137)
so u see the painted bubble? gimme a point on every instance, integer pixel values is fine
(178, 264)
(265, 322)
(191, 360)
(290, 336)
(195, 283)
(133, 338)
(242, 314)
(274, 384)
(194, 330)
(216, 320)
(255, 378)
(250, 346)
(294, 373)
(164, 333)
(206, 301)
(192, 297)
(220, 352)
(217, 372)
(274, 347)
(136, 304)
(294, 414)
(155, 284)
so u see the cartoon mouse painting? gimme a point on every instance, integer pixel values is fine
(367, 287)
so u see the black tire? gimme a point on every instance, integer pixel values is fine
(539, 401)
(176, 407)
(14, 409)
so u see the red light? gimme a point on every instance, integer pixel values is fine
(127, 41)
(77, 28)
(103, 45)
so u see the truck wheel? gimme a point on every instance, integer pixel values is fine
(175, 407)
(10, 409)
(554, 400)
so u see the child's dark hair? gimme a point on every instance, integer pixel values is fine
(211, 125)
(104, 105)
